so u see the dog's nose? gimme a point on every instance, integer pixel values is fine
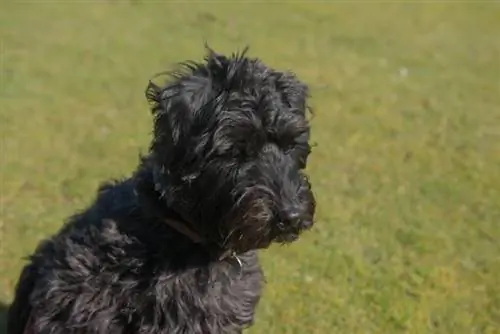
(297, 219)
(293, 216)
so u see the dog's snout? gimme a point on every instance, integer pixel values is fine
(297, 219)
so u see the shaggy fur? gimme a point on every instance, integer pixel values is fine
(229, 148)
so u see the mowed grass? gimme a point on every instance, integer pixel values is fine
(406, 167)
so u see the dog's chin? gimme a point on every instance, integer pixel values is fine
(246, 240)
(248, 234)
(253, 224)
(287, 238)
(261, 235)
(291, 236)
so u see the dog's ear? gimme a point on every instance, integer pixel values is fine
(188, 102)
(187, 92)
(172, 107)
(175, 106)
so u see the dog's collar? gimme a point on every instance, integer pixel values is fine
(148, 184)
(228, 255)
(184, 229)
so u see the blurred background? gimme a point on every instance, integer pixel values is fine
(406, 167)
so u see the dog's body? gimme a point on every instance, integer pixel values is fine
(131, 273)
(172, 249)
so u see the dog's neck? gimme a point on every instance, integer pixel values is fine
(151, 196)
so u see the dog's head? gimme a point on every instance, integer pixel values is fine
(231, 141)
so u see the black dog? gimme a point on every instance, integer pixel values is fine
(172, 249)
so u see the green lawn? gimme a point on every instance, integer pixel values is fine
(406, 169)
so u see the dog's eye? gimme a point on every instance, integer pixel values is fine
(230, 153)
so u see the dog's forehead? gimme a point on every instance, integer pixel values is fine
(260, 108)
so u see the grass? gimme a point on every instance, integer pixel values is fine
(406, 168)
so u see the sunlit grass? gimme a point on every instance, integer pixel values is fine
(406, 169)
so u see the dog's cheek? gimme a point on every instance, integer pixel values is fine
(250, 227)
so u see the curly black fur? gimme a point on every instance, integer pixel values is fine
(229, 148)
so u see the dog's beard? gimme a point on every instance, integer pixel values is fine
(255, 221)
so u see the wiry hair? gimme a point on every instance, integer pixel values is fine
(228, 156)
(226, 118)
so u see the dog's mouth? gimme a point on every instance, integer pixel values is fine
(247, 227)
(256, 222)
